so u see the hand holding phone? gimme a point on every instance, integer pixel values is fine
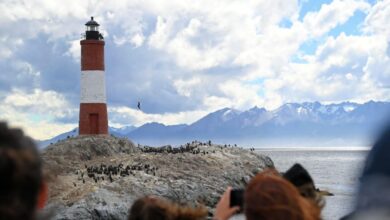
(237, 198)
(224, 211)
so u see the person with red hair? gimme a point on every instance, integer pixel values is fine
(268, 196)
(154, 208)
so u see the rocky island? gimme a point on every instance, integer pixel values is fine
(98, 177)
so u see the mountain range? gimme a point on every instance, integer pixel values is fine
(292, 124)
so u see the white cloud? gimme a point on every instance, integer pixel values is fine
(348, 51)
(331, 15)
(241, 95)
(377, 69)
(130, 23)
(219, 33)
(8, 45)
(377, 20)
(5, 53)
(343, 68)
(26, 69)
(214, 103)
(186, 87)
(160, 36)
(74, 50)
(119, 41)
(187, 54)
(37, 112)
(137, 40)
(37, 99)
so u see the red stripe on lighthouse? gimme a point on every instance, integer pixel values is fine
(92, 55)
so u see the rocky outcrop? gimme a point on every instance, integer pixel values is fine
(99, 177)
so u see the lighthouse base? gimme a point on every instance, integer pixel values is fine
(93, 119)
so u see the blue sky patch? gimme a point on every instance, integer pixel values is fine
(351, 27)
(310, 6)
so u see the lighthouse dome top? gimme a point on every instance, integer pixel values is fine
(91, 23)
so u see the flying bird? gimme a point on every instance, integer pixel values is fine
(139, 105)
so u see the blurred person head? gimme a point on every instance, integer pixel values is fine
(269, 196)
(373, 199)
(22, 190)
(153, 208)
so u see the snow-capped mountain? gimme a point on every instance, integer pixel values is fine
(156, 130)
(119, 132)
(43, 143)
(350, 122)
(347, 121)
(122, 130)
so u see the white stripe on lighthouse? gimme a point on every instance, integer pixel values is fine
(93, 87)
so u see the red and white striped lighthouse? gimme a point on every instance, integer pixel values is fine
(93, 107)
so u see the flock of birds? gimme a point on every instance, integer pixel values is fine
(111, 173)
(187, 148)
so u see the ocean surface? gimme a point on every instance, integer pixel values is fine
(334, 169)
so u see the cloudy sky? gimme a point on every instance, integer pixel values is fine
(183, 59)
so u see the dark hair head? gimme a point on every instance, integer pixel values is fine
(298, 175)
(374, 186)
(379, 156)
(153, 208)
(300, 178)
(269, 196)
(20, 172)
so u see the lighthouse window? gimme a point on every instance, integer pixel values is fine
(92, 28)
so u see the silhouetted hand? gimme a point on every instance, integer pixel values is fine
(223, 211)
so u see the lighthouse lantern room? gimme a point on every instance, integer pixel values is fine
(93, 108)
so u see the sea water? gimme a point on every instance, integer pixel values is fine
(336, 170)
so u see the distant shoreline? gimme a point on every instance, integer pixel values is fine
(313, 149)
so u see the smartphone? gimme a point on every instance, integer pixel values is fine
(237, 198)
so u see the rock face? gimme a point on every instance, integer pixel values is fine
(99, 177)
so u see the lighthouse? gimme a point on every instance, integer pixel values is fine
(93, 117)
